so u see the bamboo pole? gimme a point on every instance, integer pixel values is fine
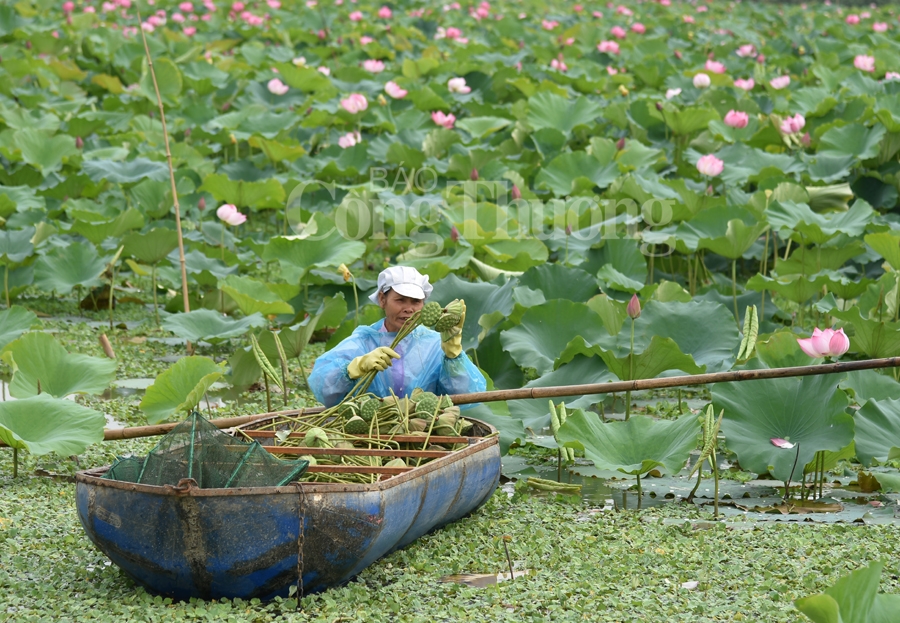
(165, 131)
(112, 434)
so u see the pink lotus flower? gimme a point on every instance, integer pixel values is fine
(701, 81)
(670, 93)
(624, 10)
(549, 24)
(274, 4)
(323, 70)
(597, 14)
(277, 87)
(827, 343)
(612, 71)
(178, 18)
(237, 7)
(441, 119)
(737, 119)
(618, 32)
(68, 7)
(746, 50)
(864, 63)
(365, 40)
(186, 7)
(354, 103)
(880, 27)
(709, 165)
(633, 309)
(349, 139)
(865, 15)
(609, 47)
(454, 33)
(458, 85)
(395, 91)
(793, 125)
(747, 84)
(892, 75)
(687, 19)
(780, 82)
(559, 65)
(852, 19)
(189, 31)
(299, 61)
(384, 12)
(356, 16)
(230, 215)
(373, 65)
(638, 28)
(781, 443)
(715, 67)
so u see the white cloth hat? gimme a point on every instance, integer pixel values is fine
(404, 280)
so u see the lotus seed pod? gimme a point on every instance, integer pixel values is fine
(395, 463)
(417, 425)
(356, 426)
(431, 313)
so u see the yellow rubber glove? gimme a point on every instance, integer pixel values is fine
(451, 339)
(379, 359)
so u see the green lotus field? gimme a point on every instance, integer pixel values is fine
(618, 191)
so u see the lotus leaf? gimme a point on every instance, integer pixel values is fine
(810, 412)
(853, 599)
(76, 265)
(563, 172)
(853, 140)
(43, 150)
(180, 388)
(151, 247)
(126, 172)
(15, 245)
(875, 339)
(818, 228)
(98, 231)
(878, 431)
(43, 424)
(253, 296)
(549, 110)
(14, 322)
(871, 385)
(325, 246)
(41, 365)
(634, 446)
(205, 324)
(556, 281)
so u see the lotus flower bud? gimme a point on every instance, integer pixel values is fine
(454, 234)
(659, 106)
(568, 230)
(678, 54)
(634, 307)
(201, 205)
(187, 133)
(805, 140)
(79, 142)
(474, 175)
(620, 144)
(515, 193)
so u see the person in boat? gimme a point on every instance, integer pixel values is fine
(421, 359)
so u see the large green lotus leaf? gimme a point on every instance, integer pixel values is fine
(486, 304)
(853, 139)
(368, 314)
(546, 329)
(829, 167)
(612, 312)
(635, 446)
(743, 163)
(516, 255)
(43, 424)
(727, 230)
(150, 247)
(563, 171)
(38, 359)
(44, 151)
(14, 322)
(878, 431)
(253, 296)
(623, 255)
(510, 429)
(479, 127)
(252, 194)
(324, 247)
(15, 245)
(98, 231)
(549, 110)
(781, 350)
(853, 599)
(887, 245)
(808, 262)
(125, 172)
(688, 120)
(796, 288)
(810, 412)
(871, 385)
(875, 339)
(168, 80)
(702, 329)
(637, 156)
(560, 282)
(890, 482)
(819, 228)
(660, 355)
(180, 388)
(64, 268)
(206, 324)
(502, 370)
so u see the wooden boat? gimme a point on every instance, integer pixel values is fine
(183, 541)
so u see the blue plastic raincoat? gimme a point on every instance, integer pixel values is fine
(422, 364)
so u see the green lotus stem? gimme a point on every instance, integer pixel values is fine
(737, 316)
(15, 462)
(6, 283)
(356, 302)
(155, 299)
(630, 377)
(640, 495)
(715, 469)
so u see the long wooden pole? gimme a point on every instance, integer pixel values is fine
(557, 391)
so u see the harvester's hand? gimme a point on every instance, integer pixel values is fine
(378, 360)
(452, 338)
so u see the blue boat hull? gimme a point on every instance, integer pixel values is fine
(211, 543)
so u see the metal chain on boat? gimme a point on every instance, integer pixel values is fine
(301, 504)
